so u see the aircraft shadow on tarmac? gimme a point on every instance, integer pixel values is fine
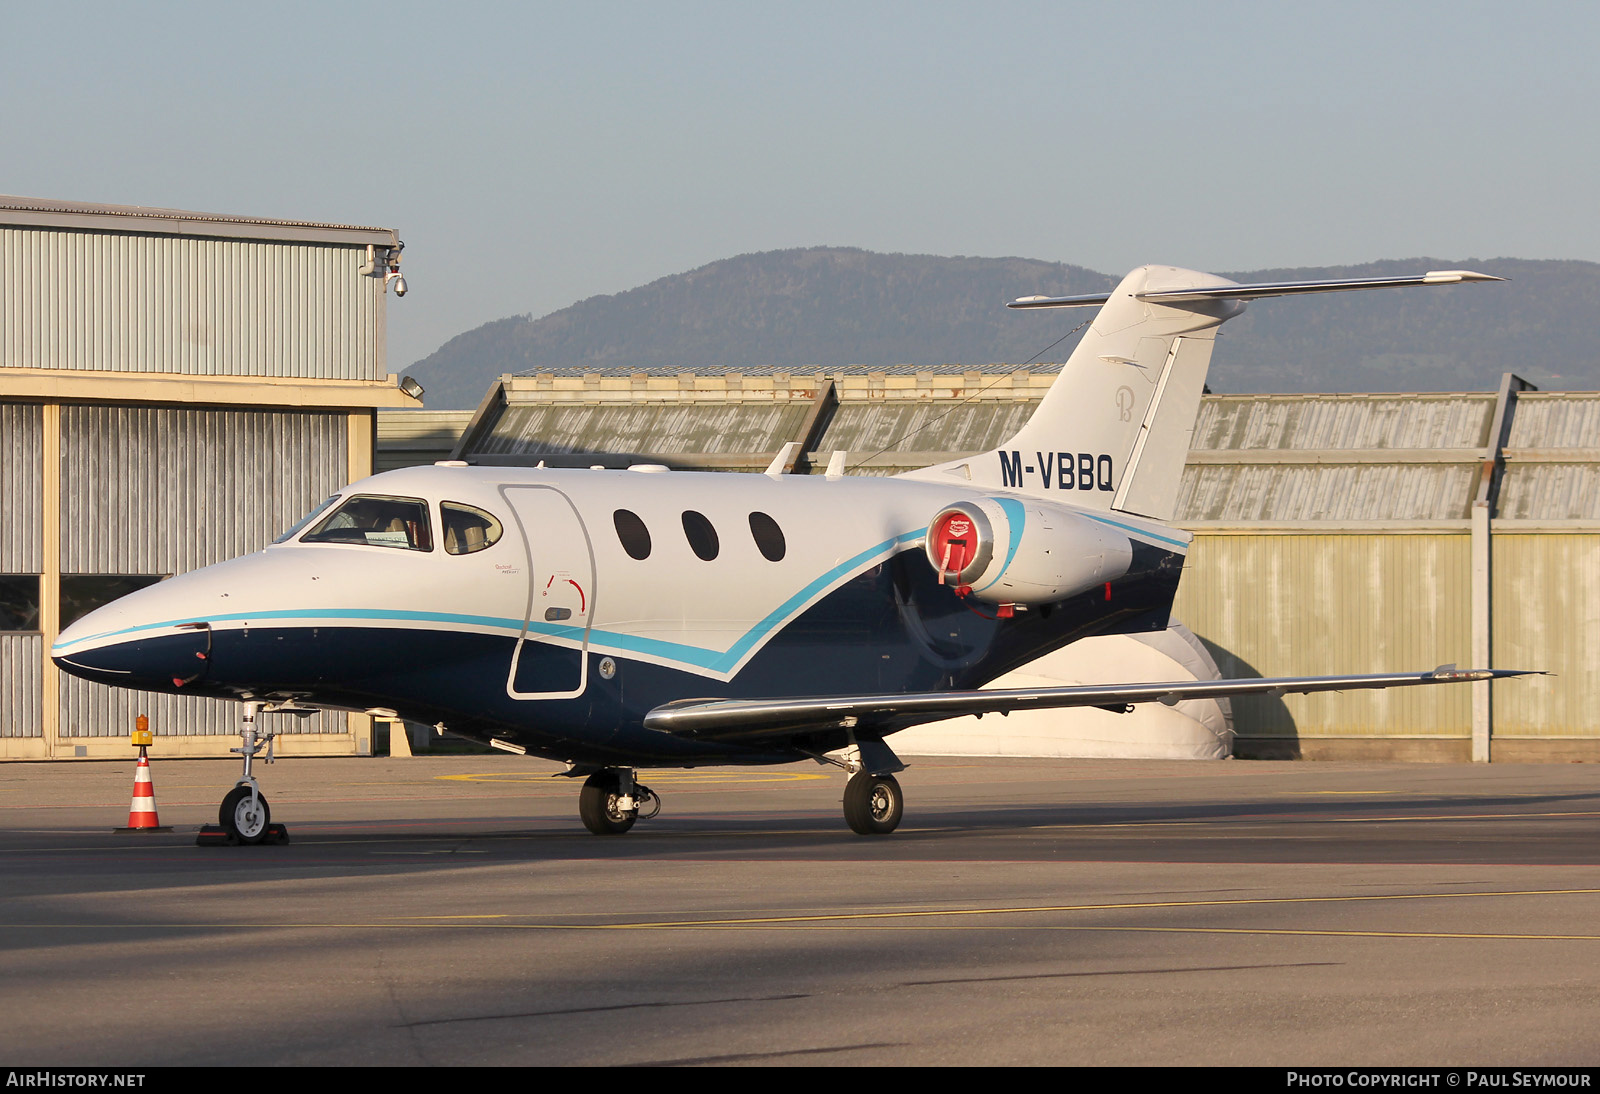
(1262, 713)
(1388, 828)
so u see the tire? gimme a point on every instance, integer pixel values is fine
(239, 820)
(597, 806)
(872, 804)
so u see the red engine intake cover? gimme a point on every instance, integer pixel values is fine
(956, 546)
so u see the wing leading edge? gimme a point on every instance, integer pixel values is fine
(757, 719)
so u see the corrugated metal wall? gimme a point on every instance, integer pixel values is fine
(1556, 419)
(1551, 471)
(863, 427)
(1250, 422)
(21, 489)
(1547, 616)
(1550, 491)
(21, 684)
(151, 303)
(710, 428)
(1328, 604)
(1237, 493)
(21, 552)
(157, 490)
(147, 490)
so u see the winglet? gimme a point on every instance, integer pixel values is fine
(1451, 277)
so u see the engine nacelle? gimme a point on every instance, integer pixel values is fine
(1012, 551)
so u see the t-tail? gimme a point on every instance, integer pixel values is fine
(1113, 431)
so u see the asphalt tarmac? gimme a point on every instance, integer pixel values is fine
(453, 911)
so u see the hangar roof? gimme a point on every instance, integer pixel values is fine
(1298, 458)
(52, 213)
(1553, 458)
(1255, 460)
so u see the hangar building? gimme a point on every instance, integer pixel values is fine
(176, 388)
(1333, 533)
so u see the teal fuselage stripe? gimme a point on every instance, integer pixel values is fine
(1178, 543)
(684, 653)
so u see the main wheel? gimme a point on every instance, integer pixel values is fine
(872, 804)
(597, 805)
(243, 819)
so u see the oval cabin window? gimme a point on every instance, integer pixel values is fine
(701, 535)
(632, 534)
(768, 537)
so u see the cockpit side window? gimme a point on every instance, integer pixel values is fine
(377, 522)
(467, 530)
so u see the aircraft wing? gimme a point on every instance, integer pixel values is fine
(756, 719)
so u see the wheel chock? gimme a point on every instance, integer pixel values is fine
(214, 835)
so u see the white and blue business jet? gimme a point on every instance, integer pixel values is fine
(619, 620)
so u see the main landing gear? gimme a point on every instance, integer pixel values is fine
(244, 816)
(611, 801)
(873, 801)
(872, 804)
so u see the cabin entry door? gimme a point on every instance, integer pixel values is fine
(551, 659)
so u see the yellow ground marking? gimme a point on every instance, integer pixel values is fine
(1293, 793)
(1257, 817)
(1260, 931)
(667, 778)
(937, 913)
(884, 920)
(1347, 934)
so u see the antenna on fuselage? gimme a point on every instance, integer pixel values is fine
(784, 459)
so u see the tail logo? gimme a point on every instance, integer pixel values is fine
(1125, 403)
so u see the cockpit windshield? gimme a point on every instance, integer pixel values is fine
(377, 522)
(300, 524)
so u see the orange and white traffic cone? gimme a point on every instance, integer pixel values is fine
(142, 813)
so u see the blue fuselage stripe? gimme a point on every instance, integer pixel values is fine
(1147, 534)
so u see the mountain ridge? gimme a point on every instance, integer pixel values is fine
(824, 307)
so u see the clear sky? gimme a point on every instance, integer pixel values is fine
(535, 154)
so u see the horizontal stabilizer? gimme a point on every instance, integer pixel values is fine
(1230, 291)
(756, 719)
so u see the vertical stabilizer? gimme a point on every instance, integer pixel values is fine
(1113, 431)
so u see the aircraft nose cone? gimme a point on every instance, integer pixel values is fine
(109, 648)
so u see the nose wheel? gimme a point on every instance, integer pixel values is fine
(245, 815)
(610, 802)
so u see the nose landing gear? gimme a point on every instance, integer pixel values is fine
(244, 816)
(611, 800)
